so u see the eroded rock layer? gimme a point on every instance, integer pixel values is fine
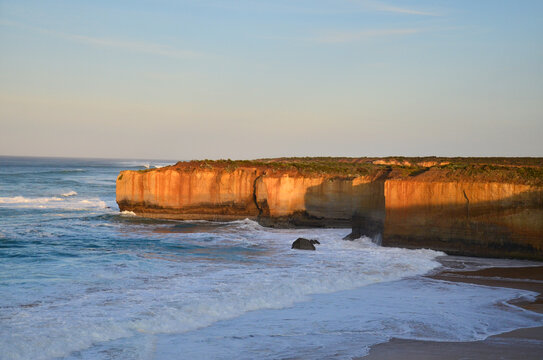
(482, 207)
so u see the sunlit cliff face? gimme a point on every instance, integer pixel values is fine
(246, 192)
(458, 216)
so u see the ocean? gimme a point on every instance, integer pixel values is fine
(80, 280)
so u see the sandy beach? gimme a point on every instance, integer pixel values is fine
(523, 344)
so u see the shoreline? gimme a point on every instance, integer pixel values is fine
(525, 343)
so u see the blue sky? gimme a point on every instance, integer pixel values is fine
(248, 79)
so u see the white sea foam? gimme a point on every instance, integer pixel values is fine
(144, 164)
(67, 201)
(194, 298)
(26, 200)
(128, 213)
(159, 165)
(69, 193)
(163, 295)
(92, 203)
(343, 325)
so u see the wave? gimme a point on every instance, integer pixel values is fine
(144, 164)
(65, 202)
(93, 203)
(69, 193)
(25, 200)
(48, 172)
(128, 213)
(220, 293)
(195, 295)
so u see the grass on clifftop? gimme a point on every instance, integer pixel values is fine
(321, 166)
(499, 173)
(512, 170)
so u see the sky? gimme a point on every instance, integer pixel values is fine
(250, 79)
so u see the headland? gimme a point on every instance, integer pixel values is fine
(486, 207)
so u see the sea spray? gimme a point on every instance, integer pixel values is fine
(196, 291)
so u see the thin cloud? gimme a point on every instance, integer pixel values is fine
(134, 46)
(395, 9)
(379, 6)
(140, 47)
(308, 7)
(345, 37)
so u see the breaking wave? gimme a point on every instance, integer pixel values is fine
(25, 200)
(69, 193)
(145, 164)
(231, 270)
(219, 293)
(67, 201)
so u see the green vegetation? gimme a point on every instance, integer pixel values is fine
(532, 175)
(145, 170)
(514, 170)
(414, 171)
(299, 165)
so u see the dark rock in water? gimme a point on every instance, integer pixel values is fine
(315, 242)
(357, 226)
(355, 234)
(364, 225)
(303, 244)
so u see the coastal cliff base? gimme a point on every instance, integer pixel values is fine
(464, 206)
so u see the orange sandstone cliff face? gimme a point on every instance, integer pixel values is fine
(275, 198)
(177, 194)
(457, 215)
(318, 200)
(484, 219)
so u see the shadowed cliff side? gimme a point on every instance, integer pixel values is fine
(321, 201)
(477, 219)
(473, 206)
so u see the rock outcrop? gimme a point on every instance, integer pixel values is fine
(481, 207)
(304, 244)
(465, 218)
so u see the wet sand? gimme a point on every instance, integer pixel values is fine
(525, 344)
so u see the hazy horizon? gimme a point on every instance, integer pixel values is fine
(236, 159)
(259, 79)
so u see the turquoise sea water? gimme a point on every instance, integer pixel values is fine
(80, 280)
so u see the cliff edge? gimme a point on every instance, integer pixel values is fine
(466, 206)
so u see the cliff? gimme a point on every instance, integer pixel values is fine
(471, 206)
